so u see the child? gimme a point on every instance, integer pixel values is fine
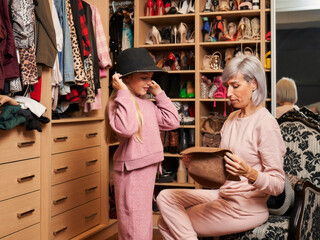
(137, 122)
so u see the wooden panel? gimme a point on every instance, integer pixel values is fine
(76, 221)
(72, 136)
(20, 212)
(71, 165)
(19, 178)
(17, 144)
(30, 233)
(74, 193)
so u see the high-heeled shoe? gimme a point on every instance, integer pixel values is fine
(174, 34)
(155, 34)
(173, 9)
(167, 6)
(208, 6)
(171, 60)
(190, 35)
(165, 35)
(190, 89)
(183, 6)
(205, 29)
(149, 9)
(191, 7)
(159, 8)
(183, 28)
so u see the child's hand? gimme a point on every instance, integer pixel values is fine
(154, 88)
(117, 82)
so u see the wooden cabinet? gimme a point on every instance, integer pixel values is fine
(54, 183)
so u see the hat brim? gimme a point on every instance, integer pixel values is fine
(153, 69)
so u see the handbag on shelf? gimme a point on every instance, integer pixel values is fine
(210, 129)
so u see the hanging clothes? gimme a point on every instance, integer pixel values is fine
(9, 66)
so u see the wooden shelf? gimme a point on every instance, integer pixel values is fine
(182, 71)
(187, 126)
(230, 14)
(182, 99)
(172, 155)
(229, 43)
(77, 119)
(168, 19)
(168, 47)
(175, 184)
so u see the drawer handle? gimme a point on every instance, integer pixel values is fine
(60, 139)
(91, 216)
(60, 200)
(91, 189)
(21, 215)
(26, 144)
(24, 179)
(55, 233)
(88, 163)
(60, 170)
(92, 134)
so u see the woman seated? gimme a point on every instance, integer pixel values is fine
(253, 135)
(287, 96)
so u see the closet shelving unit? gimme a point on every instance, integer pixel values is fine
(203, 106)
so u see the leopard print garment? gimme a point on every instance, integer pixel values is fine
(80, 75)
(28, 65)
(89, 73)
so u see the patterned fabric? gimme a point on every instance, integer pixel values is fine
(101, 41)
(28, 65)
(311, 216)
(89, 74)
(84, 30)
(80, 76)
(22, 22)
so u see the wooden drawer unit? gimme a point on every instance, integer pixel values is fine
(71, 165)
(72, 136)
(19, 178)
(17, 144)
(71, 223)
(30, 233)
(20, 212)
(74, 193)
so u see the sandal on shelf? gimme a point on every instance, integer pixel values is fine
(215, 63)
(255, 25)
(208, 6)
(190, 35)
(182, 30)
(232, 31)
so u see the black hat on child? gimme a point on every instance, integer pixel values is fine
(134, 60)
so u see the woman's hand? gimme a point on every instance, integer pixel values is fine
(117, 82)
(238, 167)
(154, 88)
(186, 159)
(5, 99)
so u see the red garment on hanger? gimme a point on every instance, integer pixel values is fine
(36, 94)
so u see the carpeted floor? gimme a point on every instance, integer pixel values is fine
(156, 236)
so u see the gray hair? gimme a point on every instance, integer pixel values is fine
(250, 68)
(286, 91)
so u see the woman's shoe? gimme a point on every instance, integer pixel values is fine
(183, 28)
(208, 6)
(183, 91)
(149, 9)
(190, 35)
(174, 34)
(183, 6)
(171, 59)
(167, 6)
(190, 89)
(205, 29)
(159, 8)
(191, 7)
(173, 9)
(255, 25)
(155, 34)
(149, 37)
(183, 61)
(165, 35)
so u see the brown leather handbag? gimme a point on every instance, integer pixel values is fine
(207, 166)
(210, 129)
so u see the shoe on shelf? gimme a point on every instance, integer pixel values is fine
(183, 91)
(173, 9)
(191, 7)
(190, 89)
(174, 34)
(208, 6)
(165, 35)
(182, 30)
(255, 25)
(167, 6)
(183, 7)
(149, 9)
(190, 35)
(159, 8)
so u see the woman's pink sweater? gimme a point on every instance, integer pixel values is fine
(132, 154)
(257, 139)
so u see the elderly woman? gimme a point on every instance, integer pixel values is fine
(253, 135)
(287, 96)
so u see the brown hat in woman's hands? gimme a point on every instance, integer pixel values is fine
(207, 166)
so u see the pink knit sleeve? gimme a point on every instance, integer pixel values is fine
(167, 114)
(122, 115)
(271, 149)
